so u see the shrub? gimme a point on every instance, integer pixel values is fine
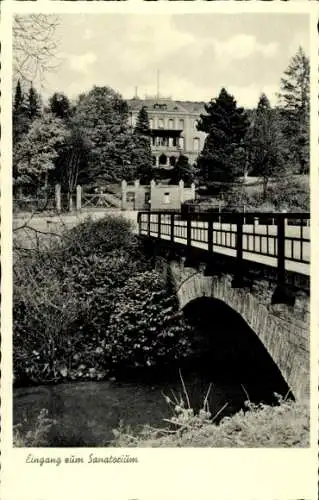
(259, 426)
(99, 237)
(145, 325)
(36, 436)
(89, 305)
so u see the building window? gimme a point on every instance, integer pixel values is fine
(170, 124)
(163, 160)
(151, 122)
(166, 198)
(181, 124)
(154, 160)
(161, 141)
(160, 123)
(196, 144)
(147, 197)
(181, 142)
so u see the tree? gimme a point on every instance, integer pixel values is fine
(142, 153)
(264, 146)
(294, 105)
(60, 106)
(34, 46)
(20, 118)
(182, 171)
(226, 126)
(71, 163)
(34, 156)
(34, 103)
(102, 116)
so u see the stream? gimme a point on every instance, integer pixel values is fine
(230, 357)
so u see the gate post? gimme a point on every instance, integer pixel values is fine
(78, 198)
(71, 203)
(58, 197)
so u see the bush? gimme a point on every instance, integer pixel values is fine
(145, 325)
(291, 194)
(259, 426)
(34, 437)
(89, 305)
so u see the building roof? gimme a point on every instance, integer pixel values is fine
(166, 104)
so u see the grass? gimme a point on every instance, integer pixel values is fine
(259, 426)
(285, 425)
(36, 436)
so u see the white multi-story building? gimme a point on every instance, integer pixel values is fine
(173, 128)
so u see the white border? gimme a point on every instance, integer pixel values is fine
(162, 474)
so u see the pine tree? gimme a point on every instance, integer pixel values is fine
(34, 103)
(142, 153)
(20, 116)
(264, 144)
(294, 105)
(18, 98)
(182, 171)
(226, 126)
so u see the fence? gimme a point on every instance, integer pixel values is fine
(280, 244)
(63, 202)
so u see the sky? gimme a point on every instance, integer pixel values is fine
(196, 54)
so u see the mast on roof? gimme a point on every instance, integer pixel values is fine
(157, 85)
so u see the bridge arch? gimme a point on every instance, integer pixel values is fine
(231, 352)
(283, 341)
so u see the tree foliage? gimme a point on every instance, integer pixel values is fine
(34, 103)
(35, 44)
(35, 154)
(142, 153)
(20, 114)
(182, 170)
(294, 105)
(60, 106)
(71, 163)
(264, 143)
(92, 306)
(226, 125)
(102, 116)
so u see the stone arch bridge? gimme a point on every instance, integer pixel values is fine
(271, 297)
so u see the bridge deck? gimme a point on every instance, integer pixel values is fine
(259, 242)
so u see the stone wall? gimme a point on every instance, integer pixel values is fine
(283, 330)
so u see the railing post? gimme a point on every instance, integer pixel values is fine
(281, 295)
(189, 232)
(210, 230)
(238, 279)
(281, 249)
(172, 227)
(149, 224)
(159, 225)
(139, 223)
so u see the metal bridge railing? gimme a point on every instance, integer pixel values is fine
(280, 240)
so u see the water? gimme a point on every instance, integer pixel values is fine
(229, 356)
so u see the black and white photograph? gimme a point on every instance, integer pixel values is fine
(161, 230)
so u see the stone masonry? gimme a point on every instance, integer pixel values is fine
(283, 330)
